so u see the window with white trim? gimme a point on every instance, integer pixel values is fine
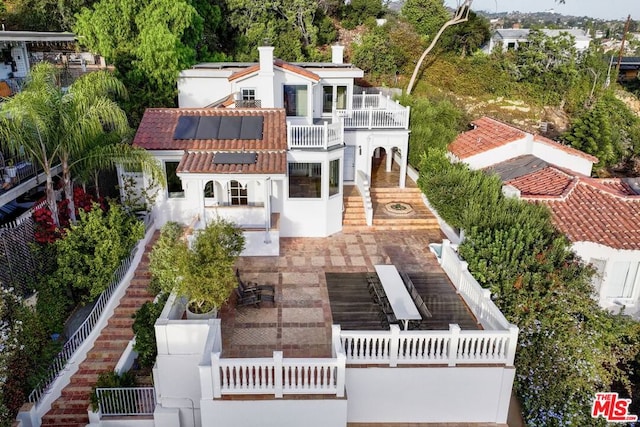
(238, 194)
(623, 279)
(248, 94)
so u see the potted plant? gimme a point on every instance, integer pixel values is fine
(10, 169)
(204, 274)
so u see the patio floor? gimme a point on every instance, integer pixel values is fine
(299, 323)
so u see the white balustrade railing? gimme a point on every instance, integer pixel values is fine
(126, 401)
(278, 376)
(452, 347)
(375, 111)
(475, 296)
(315, 136)
(362, 181)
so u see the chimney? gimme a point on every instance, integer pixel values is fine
(266, 60)
(337, 54)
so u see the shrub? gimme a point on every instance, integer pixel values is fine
(92, 250)
(144, 329)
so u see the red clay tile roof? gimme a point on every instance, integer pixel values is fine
(158, 124)
(565, 148)
(268, 162)
(604, 211)
(545, 182)
(490, 134)
(487, 135)
(280, 64)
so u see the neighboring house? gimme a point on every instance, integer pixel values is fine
(599, 216)
(270, 145)
(629, 66)
(510, 38)
(20, 50)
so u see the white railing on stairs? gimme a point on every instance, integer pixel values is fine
(362, 181)
(126, 401)
(80, 335)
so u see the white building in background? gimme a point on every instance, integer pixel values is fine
(599, 216)
(270, 145)
(512, 38)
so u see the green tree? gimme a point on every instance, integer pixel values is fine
(608, 130)
(549, 63)
(467, 37)
(91, 251)
(427, 16)
(149, 42)
(357, 12)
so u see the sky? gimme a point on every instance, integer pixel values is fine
(603, 9)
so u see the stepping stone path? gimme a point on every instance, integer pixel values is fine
(70, 409)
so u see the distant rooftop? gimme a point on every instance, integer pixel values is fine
(38, 36)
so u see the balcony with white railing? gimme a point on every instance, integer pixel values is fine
(318, 137)
(375, 111)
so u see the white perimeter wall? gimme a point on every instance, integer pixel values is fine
(274, 413)
(528, 145)
(589, 251)
(429, 395)
(199, 88)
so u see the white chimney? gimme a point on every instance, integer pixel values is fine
(266, 60)
(337, 52)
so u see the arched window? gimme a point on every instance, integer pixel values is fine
(208, 190)
(238, 194)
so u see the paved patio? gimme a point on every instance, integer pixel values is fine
(299, 323)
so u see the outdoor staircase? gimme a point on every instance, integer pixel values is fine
(353, 219)
(70, 409)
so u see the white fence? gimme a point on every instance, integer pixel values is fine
(452, 347)
(315, 136)
(278, 376)
(475, 296)
(126, 401)
(375, 112)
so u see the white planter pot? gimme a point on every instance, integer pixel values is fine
(11, 171)
(196, 316)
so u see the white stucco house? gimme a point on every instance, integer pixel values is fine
(512, 38)
(272, 144)
(599, 216)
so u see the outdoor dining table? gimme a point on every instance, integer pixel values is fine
(404, 308)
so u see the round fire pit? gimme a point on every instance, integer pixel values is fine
(398, 208)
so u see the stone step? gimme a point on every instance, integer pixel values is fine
(380, 190)
(64, 419)
(363, 229)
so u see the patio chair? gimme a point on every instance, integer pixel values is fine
(247, 299)
(251, 287)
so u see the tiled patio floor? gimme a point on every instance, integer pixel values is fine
(299, 323)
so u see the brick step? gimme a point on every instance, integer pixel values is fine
(381, 190)
(347, 229)
(411, 201)
(69, 404)
(61, 420)
(134, 301)
(120, 322)
(124, 311)
(138, 290)
(75, 392)
(406, 222)
(347, 222)
(112, 342)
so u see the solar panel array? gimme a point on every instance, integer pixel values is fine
(219, 127)
(235, 158)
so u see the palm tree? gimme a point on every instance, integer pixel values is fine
(28, 124)
(74, 126)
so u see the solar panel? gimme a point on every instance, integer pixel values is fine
(208, 127)
(235, 158)
(186, 127)
(219, 127)
(251, 127)
(230, 127)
